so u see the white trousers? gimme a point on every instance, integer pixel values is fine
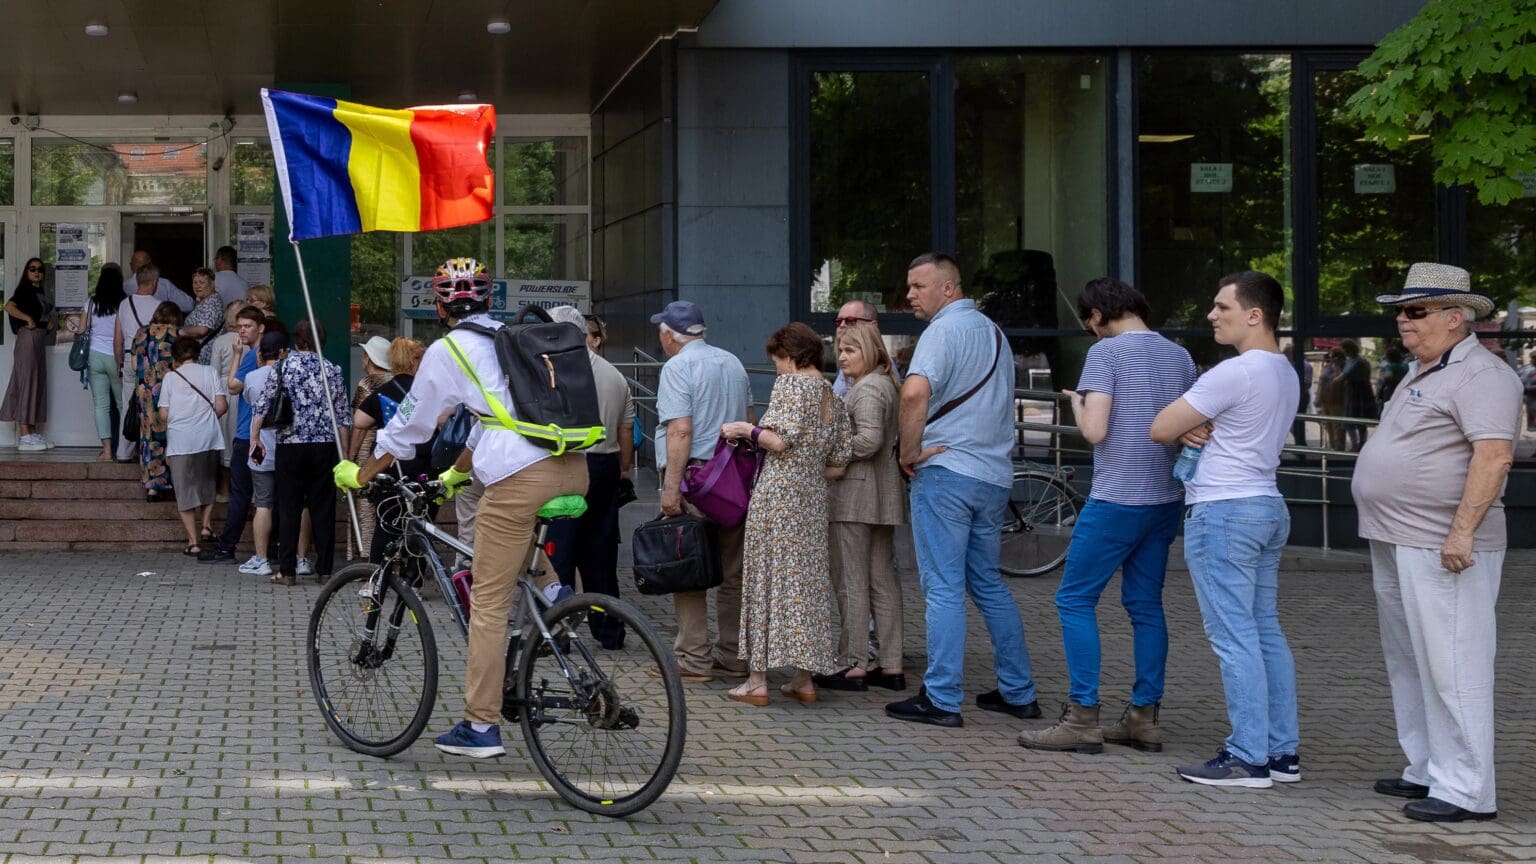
(1438, 632)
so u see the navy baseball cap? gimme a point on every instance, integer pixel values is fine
(682, 316)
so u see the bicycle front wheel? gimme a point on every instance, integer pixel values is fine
(1037, 524)
(608, 736)
(372, 661)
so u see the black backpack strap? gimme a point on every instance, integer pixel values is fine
(958, 400)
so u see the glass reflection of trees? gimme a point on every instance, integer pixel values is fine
(870, 185)
(1203, 109)
(7, 172)
(1366, 241)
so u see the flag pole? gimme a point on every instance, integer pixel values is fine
(325, 382)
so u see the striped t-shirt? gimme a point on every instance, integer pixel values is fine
(1142, 373)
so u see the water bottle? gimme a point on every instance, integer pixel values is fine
(1184, 468)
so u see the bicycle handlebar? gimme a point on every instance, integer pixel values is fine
(421, 487)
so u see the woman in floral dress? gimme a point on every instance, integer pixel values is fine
(786, 592)
(152, 361)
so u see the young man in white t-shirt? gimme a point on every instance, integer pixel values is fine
(1236, 525)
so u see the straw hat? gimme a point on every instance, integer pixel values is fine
(377, 349)
(1439, 283)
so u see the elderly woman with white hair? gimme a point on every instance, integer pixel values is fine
(591, 545)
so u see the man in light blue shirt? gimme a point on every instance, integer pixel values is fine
(957, 446)
(701, 389)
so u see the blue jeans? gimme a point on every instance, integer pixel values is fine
(957, 531)
(1233, 550)
(1135, 540)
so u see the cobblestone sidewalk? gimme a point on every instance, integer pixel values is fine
(167, 717)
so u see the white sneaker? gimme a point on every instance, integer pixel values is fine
(304, 568)
(256, 566)
(31, 444)
(47, 443)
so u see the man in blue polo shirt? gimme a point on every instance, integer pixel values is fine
(1129, 521)
(957, 446)
(250, 323)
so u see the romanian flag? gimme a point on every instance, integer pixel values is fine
(346, 168)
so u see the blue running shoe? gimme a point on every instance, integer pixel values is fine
(1285, 768)
(1227, 770)
(559, 593)
(463, 740)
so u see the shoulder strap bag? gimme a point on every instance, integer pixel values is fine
(280, 410)
(80, 351)
(959, 400)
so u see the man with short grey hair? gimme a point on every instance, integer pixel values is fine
(1427, 487)
(165, 289)
(701, 389)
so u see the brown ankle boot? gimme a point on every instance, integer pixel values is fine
(1137, 728)
(1077, 731)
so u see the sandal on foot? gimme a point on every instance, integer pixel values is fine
(798, 695)
(205, 536)
(280, 579)
(192, 551)
(742, 694)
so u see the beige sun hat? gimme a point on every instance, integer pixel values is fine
(377, 349)
(1439, 283)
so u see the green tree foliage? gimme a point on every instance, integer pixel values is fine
(1466, 72)
(7, 173)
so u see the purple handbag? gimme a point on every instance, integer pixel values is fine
(722, 487)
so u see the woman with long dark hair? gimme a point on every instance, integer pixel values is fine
(26, 399)
(106, 348)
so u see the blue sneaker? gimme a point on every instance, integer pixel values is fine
(463, 740)
(1227, 770)
(559, 592)
(1285, 768)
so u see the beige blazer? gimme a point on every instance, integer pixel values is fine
(871, 491)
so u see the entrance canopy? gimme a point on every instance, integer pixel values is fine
(212, 57)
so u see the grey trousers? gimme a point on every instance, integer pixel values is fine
(1438, 636)
(863, 563)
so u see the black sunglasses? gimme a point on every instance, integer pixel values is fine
(1417, 313)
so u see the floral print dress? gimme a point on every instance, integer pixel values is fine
(209, 313)
(152, 362)
(786, 593)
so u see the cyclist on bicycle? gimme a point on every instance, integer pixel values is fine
(519, 477)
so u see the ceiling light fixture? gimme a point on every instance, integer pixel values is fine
(96, 29)
(127, 97)
(468, 96)
(498, 26)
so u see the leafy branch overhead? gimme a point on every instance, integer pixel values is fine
(1464, 73)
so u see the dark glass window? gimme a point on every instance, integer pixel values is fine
(1375, 207)
(870, 185)
(1501, 255)
(1212, 153)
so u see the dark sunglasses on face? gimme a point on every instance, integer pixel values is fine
(849, 322)
(1418, 313)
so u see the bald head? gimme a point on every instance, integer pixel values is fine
(139, 261)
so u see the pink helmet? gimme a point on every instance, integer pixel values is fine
(461, 279)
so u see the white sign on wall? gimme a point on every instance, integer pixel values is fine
(253, 247)
(508, 296)
(71, 266)
(1210, 177)
(1375, 180)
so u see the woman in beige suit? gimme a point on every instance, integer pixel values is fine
(865, 507)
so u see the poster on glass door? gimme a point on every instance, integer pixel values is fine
(253, 248)
(71, 267)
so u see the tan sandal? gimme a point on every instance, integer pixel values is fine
(798, 695)
(743, 694)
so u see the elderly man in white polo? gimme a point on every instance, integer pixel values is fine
(1428, 487)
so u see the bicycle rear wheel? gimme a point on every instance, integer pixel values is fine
(1037, 525)
(372, 661)
(608, 738)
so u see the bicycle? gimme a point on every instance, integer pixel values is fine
(605, 734)
(1037, 525)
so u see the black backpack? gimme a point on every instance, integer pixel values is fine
(549, 376)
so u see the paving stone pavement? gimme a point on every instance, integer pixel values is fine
(157, 709)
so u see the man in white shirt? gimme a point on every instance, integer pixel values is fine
(519, 477)
(1235, 526)
(231, 286)
(165, 289)
(133, 314)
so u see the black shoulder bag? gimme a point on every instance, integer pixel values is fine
(280, 410)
